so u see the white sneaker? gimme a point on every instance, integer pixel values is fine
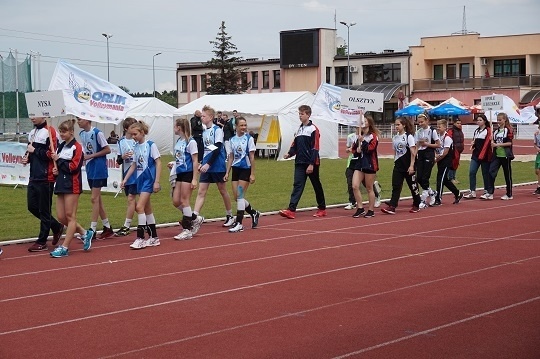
(486, 196)
(236, 227)
(228, 221)
(506, 198)
(196, 224)
(350, 206)
(423, 205)
(470, 195)
(184, 235)
(378, 189)
(377, 202)
(432, 199)
(138, 244)
(152, 242)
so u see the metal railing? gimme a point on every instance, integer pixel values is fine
(477, 82)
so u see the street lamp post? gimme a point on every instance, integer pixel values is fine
(154, 72)
(107, 36)
(348, 52)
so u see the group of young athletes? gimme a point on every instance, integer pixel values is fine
(56, 160)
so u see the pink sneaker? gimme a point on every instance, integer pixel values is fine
(320, 213)
(287, 213)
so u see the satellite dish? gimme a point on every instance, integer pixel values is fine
(340, 42)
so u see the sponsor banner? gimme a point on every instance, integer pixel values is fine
(13, 172)
(269, 134)
(87, 96)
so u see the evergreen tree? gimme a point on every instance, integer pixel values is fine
(227, 76)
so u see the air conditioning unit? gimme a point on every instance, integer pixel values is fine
(483, 61)
(353, 68)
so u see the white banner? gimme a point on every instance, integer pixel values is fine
(327, 106)
(366, 101)
(12, 171)
(87, 96)
(515, 115)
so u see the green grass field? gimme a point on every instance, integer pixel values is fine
(270, 192)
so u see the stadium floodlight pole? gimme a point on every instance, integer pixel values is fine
(107, 36)
(154, 73)
(3, 95)
(348, 51)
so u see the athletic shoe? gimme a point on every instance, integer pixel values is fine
(229, 220)
(184, 235)
(255, 219)
(236, 227)
(320, 213)
(359, 212)
(87, 240)
(138, 244)
(36, 247)
(287, 213)
(414, 209)
(369, 214)
(1, 251)
(454, 181)
(470, 195)
(152, 242)
(350, 206)
(196, 224)
(378, 198)
(423, 205)
(59, 252)
(458, 198)
(486, 196)
(106, 233)
(58, 235)
(537, 191)
(437, 203)
(506, 198)
(123, 231)
(389, 210)
(432, 198)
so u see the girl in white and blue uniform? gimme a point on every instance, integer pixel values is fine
(186, 159)
(242, 161)
(147, 164)
(126, 147)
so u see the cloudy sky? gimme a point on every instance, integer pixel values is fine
(181, 30)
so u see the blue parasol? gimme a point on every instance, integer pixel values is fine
(411, 110)
(448, 109)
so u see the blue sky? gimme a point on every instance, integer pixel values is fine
(181, 30)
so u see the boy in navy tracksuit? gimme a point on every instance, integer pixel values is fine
(41, 184)
(306, 165)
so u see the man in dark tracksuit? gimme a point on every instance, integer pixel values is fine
(306, 165)
(41, 183)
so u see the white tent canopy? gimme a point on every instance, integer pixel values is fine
(283, 105)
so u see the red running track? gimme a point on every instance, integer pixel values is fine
(456, 281)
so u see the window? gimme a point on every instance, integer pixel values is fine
(266, 79)
(204, 84)
(254, 79)
(341, 75)
(464, 71)
(243, 79)
(382, 73)
(510, 67)
(438, 72)
(328, 74)
(184, 83)
(451, 71)
(193, 83)
(277, 79)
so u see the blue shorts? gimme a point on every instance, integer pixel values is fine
(212, 177)
(130, 189)
(97, 183)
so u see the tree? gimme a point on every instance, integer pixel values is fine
(124, 88)
(342, 50)
(227, 78)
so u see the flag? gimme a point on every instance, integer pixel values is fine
(327, 106)
(88, 96)
(514, 114)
